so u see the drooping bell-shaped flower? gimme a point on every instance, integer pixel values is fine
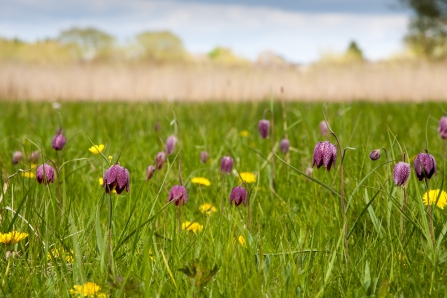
(160, 159)
(442, 128)
(150, 172)
(170, 144)
(204, 156)
(375, 154)
(58, 140)
(323, 128)
(424, 166)
(401, 173)
(264, 128)
(238, 195)
(116, 178)
(226, 165)
(45, 174)
(34, 156)
(16, 157)
(284, 145)
(325, 153)
(178, 195)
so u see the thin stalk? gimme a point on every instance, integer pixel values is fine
(404, 210)
(59, 196)
(223, 193)
(272, 145)
(249, 212)
(179, 220)
(430, 212)
(109, 236)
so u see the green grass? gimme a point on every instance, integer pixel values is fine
(295, 246)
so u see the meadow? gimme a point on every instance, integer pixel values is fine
(292, 244)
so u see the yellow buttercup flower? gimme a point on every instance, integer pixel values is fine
(28, 175)
(241, 240)
(57, 255)
(194, 227)
(244, 133)
(207, 208)
(201, 181)
(96, 149)
(89, 289)
(433, 197)
(247, 177)
(12, 237)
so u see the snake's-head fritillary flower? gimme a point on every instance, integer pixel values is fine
(238, 195)
(375, 154)
(150, 172)
(401, 173)
(34, 157)
(178, 195)
(116, 178)
(284, 145)
(160, 160)
(264, 128)
(442, 128)
(16, 157)
(45, 174)
(12, 237)
(96, 149)
(58, 140)
(204, 156)
(424, 166)
(226, 165)
(170, 144)
(325, 153)
(323, 128)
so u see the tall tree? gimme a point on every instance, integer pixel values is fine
(161, 46)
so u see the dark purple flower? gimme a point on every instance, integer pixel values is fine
(424, 165)
(284, 145)
(150, 172)
(160, 159)
(170, 144)
(323, 128)
(238, 195)
(34, 157)
(16, 157)
(58, 140)
(325, 153)
(204, 156)
(264, 128)
(178, 195)
(375, 154)
(226, 164)
(45, 174)
(116, 178)
(442, 128)
(401, 173)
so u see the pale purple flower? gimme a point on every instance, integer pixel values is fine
(150, 172)
(284, 145)
(226, 164)
(204, 156)
(375, 154)
(17, 157)
(160, 159)
(238, 195)
(442, 128)
(401, 173)
(116, 178)
(45, 174)
(323, 128)
(58, 140)
(264, 128)
(325, 153)
(170, 144)
(178, 195)
(424, 166)
(34, 157)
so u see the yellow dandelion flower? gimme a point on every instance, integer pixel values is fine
(28, 175)
(57, 255)
(207, 208)
(89, 289)
(33, 166)
(194, 227)
(96, 149)
(244, 133)
(12, 237)
(201, 181)
(241, 240)
(247, 177)
(433, 197)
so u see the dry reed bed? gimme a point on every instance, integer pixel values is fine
(375, 82)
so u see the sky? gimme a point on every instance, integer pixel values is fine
(300, 31)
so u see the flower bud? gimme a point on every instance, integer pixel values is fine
(375, 154)
(204, 156)
(58, 140)
(45, 174)
(401, 173)
(16, 157)
(178, 195)
(442, 128)
(160, 159)
(116, 178)
(325, 153)
(170, 144)
(238, 195)
(323, 128)
(424, 166)
(284, 145)
(34, 157)
(226, 165)
(264, 128)
(150, 172)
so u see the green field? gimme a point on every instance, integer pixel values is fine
(294, 244)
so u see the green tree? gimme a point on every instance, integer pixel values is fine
(161, 46)
(354, 53)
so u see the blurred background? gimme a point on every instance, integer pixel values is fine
(195, 50)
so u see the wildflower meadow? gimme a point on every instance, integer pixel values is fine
(265, 199)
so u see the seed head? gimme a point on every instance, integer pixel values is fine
(170, 144)
(58, 140)
(284, 145)
(325, 153)
(160, 159)
(116, 178)
(424, 166)
(264, 128)
(204, 156)
(45, 174)
(375, 154)
(150, 172)
(401, 173)
(34, 157)
(238, 195)
(323, 128)
(442, 128)
(16, 157)
(178, 195)
(226, 165)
